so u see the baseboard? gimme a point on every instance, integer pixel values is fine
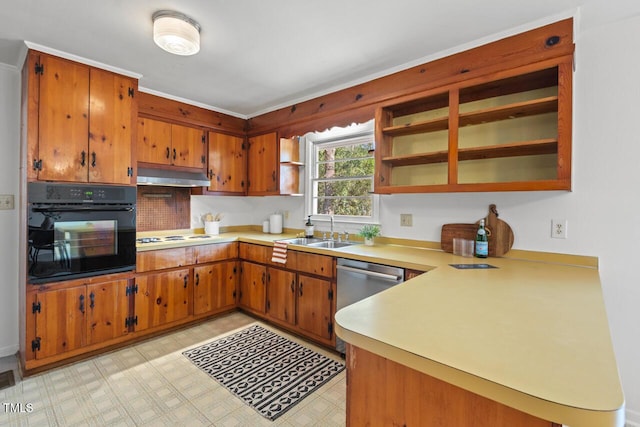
(9, 350)
(633, 418)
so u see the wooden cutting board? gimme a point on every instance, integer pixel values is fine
(499, 233)
(455, 231)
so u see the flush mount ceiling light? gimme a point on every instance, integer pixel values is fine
(176, 33)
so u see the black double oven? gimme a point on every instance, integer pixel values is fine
(79, 230)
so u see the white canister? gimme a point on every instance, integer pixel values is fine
(265, 226)
(212, 227)
(275, 224)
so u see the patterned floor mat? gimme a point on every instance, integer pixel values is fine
(267, 371)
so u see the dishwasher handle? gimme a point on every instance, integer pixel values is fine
(385, 276)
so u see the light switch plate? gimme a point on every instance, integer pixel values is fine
(7, 202)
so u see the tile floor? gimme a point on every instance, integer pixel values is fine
(153, 384)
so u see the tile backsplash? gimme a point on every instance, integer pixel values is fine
(163, 208)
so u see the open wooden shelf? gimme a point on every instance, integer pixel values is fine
(504, 112)
(510, 111)
(441, 123)
(514, 149)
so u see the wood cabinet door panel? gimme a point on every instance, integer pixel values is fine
(215, 252)
(188, 147)
(263, 164)
(253, 282)
(314, 306)
(63, 120)
(321, 265)
(108, 307)
(111, 108)
(214, 287)
(281, 295)
(227, 163)
(162, 298)
(153, 142)
(61, 322)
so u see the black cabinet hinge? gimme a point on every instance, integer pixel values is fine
(330, 294)
(36, 307)
(330, 328)
(234, 294)
(39, 69)
(203, 159)
(35, 344)
(37, 164)
(268, 305)
(130, 321)
(131, 92)
(204, 139)
(130, 290)
(129, 171)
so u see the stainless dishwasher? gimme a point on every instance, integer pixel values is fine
(358, 280)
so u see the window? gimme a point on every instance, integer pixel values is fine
(341, 174)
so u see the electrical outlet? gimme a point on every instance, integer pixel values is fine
(559, 228)
(285, 215)
(406, 220)
(6, 202)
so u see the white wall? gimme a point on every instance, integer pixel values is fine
(9, 178)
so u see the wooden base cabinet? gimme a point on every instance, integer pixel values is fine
(215, 287)
(281, 295)
(162, 298)
(383, 392)
(315, 302)
(65, 318)
(253, 287)
(298, 295)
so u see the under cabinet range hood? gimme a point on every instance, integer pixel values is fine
(172, 178)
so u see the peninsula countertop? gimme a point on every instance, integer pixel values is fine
(531, 335)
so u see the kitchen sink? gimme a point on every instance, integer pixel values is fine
(303, 240)
(331, 244)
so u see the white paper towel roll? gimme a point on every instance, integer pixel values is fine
(275, 224)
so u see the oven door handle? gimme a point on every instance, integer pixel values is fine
(85, 209)
(385, 276)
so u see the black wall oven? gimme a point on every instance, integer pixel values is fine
(79, 230)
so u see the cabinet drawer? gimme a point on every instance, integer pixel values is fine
(215, 252)
(255, 253)
(163, 258)
(320, 265)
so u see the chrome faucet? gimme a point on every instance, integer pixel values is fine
(331, 233)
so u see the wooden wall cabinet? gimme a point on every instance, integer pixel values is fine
(80, 122)
(227, 164)
(507, 131)
(290, 167)
(170, 144)
(263, 161)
